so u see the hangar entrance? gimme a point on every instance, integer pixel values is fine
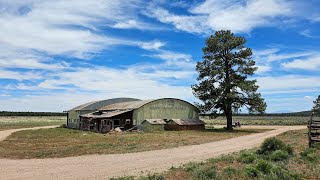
(106, 121)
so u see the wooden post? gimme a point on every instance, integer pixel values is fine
(309, 130)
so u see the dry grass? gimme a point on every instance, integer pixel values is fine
(231, 166)
(261, 120)
(62, 142)
(14, 122)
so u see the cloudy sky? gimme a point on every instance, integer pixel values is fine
(56, 54)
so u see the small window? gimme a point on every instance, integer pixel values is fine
(127, 121)
(116, 122)
(108, 123)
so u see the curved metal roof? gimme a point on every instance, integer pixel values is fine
(134, 104)
(95, 105)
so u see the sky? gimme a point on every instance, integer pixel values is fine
(55, 55)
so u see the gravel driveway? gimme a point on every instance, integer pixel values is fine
(110, 165)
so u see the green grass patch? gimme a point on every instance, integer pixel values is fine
(260, 120)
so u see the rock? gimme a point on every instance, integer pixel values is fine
(117, 129)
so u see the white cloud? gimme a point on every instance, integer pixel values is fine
(65, 27)
(173, 56)
(237, 16)
(101, 83)
(310, 63)
(307, 33)
(135, 24)
(191, 24)
(5, 74)
(287, 82)
(31, 63)
(263, 69)
(153, 45)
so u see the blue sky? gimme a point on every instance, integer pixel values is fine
(55, 55)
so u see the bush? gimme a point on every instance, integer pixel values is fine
(278, 172)
(272, 144)
(279, 155)
(248, 157)
(264, 166)
(192, 165)
(199, 171)
(229, 171)
(311, 155)
(251, 171)
(224, 158)
(205, 173)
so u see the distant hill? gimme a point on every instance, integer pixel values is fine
(13, 113)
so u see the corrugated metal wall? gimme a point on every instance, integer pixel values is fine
(165, 109)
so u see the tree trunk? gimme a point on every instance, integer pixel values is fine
(229, 117)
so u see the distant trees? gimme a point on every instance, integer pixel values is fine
(316, 105)
(223, 83)
(12, 113)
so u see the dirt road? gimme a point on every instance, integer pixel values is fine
(4, 134)
(110, 165)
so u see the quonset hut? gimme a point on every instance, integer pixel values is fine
(126, 115)
(73, 119)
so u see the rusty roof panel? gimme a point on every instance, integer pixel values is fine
(94, 105)
(188, 121)
(107, 114)
(126, 105)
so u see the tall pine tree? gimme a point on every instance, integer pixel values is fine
(223, 84)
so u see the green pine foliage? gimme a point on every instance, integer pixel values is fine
(224, 84)
(316, 106)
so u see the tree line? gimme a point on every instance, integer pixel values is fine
(12, 113)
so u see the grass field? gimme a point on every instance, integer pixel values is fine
(261, 120)
(14, 122)
(62, 142)
(262, 163)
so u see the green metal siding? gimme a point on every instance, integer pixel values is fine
(147, 127)
(165, 109)
(73, 117)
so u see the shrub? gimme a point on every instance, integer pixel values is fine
(224, 158)
(264, 166)
(200, 171)
(272, 144)
(248, 157)
(251, 171)
(278, 172)
(279, 155)
(316, 146)
(311, 155)
(229, 171)
(205, 172)
(192, 165)
(289, 149)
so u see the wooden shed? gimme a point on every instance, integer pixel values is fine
(150, 125)
(184, 124)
